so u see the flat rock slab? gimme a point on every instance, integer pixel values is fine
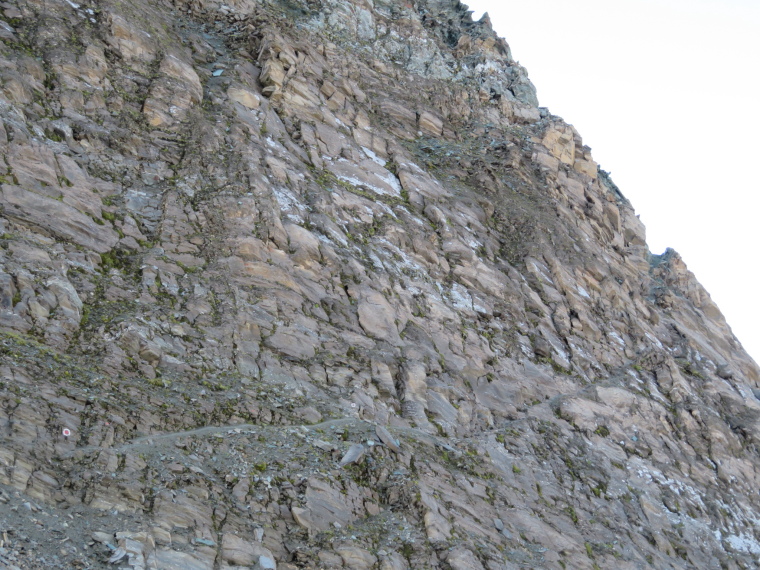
(61, 219)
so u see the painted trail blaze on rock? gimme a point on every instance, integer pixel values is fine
(296, 284)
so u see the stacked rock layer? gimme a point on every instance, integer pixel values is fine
(317, 284)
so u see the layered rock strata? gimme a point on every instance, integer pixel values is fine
(317, 284)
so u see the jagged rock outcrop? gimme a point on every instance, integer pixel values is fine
(317, 284)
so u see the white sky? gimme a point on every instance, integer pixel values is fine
(667, 94)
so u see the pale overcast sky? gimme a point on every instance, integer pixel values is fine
(667, 94)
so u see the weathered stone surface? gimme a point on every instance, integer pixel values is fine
(353, 455)
(430, 124)
(387, 439)
(358, 558)
(394, 561)
(377, 317)
(367, 175)
(60, 219)
(325, 288)
(34, 168)
(243, 96)
(133, 44)
(325, 506)
(174, 560)
(293, 342)
(174, 93)
(242, 552)
(560, 142)
(463, 559)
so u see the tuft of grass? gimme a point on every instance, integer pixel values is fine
(602, 431)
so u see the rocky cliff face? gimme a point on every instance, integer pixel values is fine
(317, 284)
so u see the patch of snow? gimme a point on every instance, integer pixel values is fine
(617, 338)
(372, 156)
(680, 488)
(460, 297)
(386, 209)
(287, 201)
(356, 182)
(406, 261)
(411, 166)
(656, 342)
(73, 4)
(388, 177)
(392, 181)
(578, 350)
(274, 144)
(744, 543)
(542, 274)
(559, 350)
(488, 67)
(376, 261)
(583, 292)
(333, 237)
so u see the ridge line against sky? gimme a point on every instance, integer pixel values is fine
(666, 93)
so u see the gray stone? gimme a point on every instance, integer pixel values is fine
(353, 455)
(60, 219)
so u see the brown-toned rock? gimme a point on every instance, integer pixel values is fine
(430, 124)
(60, 219)
(133, 44)
(326, 506)
(377, 317)
(238, 551)
(325, 288)
(560, 141)
(358, 558)
(463, 559)
(177, 90)
(243, 96)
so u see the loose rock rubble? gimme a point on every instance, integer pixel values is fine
(305, 284)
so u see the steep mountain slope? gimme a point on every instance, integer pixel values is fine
(317, 284)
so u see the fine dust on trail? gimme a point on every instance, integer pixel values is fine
(360, 425)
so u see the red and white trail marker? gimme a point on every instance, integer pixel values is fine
(66, 432)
